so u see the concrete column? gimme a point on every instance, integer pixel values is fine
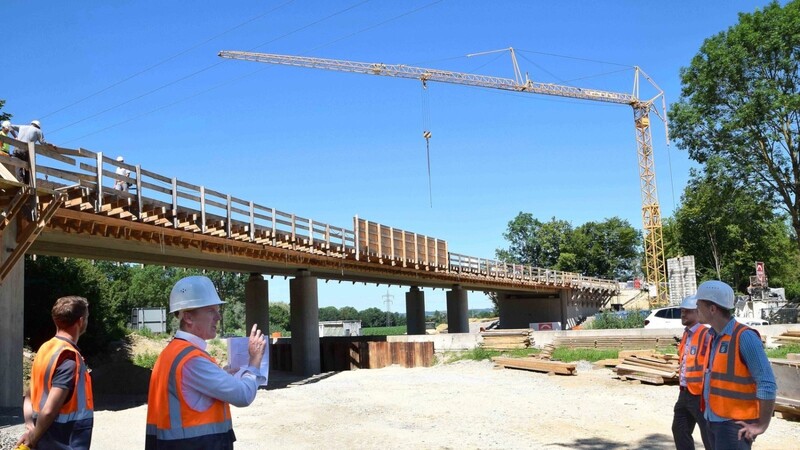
(565, 296)
(457, 310)
(304, 321)
(256, 303)
(11, 319)
(415, 311)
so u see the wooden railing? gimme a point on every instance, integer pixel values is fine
(168, 202)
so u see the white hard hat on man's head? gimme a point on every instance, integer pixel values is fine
(689, 302)
(716, 292)
(6, 124)
(36, 123)
(120, 158)
(193, 292)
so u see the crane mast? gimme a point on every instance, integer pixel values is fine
(655, 272)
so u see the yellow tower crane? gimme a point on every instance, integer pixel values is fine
(655, 273)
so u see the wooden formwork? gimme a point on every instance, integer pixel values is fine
(390, 245)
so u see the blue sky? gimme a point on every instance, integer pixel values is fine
(329, 145)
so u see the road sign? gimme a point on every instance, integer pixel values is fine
(760, 272)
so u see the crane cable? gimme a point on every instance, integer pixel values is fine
(426, 133)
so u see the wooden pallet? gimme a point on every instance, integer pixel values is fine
(536, 365)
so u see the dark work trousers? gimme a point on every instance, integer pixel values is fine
(687, 414)
(725, 436)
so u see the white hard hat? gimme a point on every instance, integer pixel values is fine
(36, 123)
(193, 292)
(120, 158)
(689, 302)
(716, 292)
(6, 124)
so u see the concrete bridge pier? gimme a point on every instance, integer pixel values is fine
(256, 303)
(415, 311)
(11, 320)
(304, 321)
(457, 310)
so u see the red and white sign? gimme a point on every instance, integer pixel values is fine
(760, 272)
(545, 326)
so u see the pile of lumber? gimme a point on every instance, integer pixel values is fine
(624, 342)
(506, 339)
(648, 366)
(536, 364)
(789, 337)
(787, 377)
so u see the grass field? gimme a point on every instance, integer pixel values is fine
(384, 331)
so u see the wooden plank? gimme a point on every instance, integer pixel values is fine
(536, 365)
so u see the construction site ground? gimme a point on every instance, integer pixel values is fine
(461, 405)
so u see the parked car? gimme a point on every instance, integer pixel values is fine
(751, 322)
(669, 317)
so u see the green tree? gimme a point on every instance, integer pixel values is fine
(534, 242)
(279, 316)
(728, 225)
(348, 313)
(329, 313)
(372, 317)
(740, 100)
(606, 249)
(4, 115)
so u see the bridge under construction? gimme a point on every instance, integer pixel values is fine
(71, 207)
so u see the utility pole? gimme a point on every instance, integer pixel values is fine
(387, 300)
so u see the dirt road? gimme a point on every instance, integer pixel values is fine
(457, 406)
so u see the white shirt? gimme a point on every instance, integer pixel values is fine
(204, 381)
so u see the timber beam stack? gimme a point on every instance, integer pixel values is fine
(611, 342)
(789, 337)
(536, 364)
(507, 339)
(649, 367)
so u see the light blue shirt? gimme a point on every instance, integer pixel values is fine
(204, 381)
(29, 133)
(755, 359)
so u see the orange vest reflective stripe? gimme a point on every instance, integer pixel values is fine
(696, 358)
(169, 417)
(81, 404)
(732, 391)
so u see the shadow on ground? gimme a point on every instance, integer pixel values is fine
(654, 441)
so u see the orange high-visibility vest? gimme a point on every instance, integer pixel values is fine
(696, 358)
(171, 423)
(81, 404)
(732, 391)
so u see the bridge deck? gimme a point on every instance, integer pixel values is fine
(71, 208)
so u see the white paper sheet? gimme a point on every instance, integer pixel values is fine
(238, 357)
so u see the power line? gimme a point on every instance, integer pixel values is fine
(251, 73)
(166, 60)
(206, 68)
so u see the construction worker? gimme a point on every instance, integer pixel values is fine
(738, 386)
(59, 408)
(6, 131)
(693, 353)
(121, 185)
(27, 133)
(190, 395)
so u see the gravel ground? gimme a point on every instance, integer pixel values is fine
(464, 405)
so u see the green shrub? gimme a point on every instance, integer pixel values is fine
(783, 350)
(146, 360)
(608, 320)
(384, 331)
(480, 354)
(587, 354)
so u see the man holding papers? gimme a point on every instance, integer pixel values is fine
(190, 395)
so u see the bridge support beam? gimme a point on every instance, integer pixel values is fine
(457, 310)
(11, 320)
(415, 311)
(256, 303)
(304, 320)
